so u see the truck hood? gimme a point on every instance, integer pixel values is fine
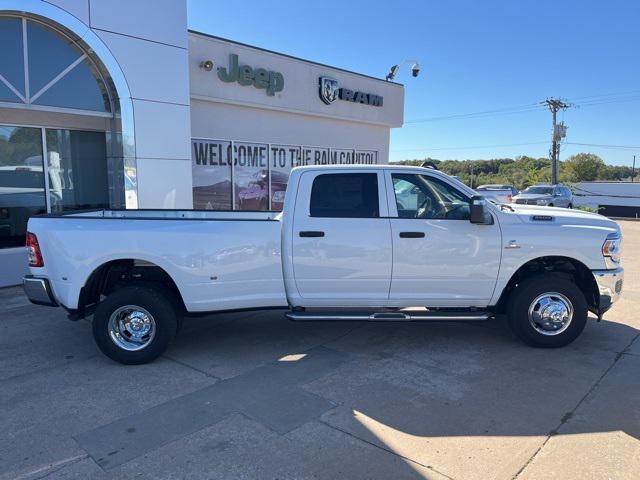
(564, 216)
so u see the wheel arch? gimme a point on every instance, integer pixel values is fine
(561, 265)
(114, 273)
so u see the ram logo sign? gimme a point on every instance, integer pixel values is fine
(330, 90)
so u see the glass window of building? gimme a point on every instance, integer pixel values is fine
(22, 184)
(45, 169)
(57, 72)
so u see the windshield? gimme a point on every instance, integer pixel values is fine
(539, 190)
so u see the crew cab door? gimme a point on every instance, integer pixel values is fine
(439, 257)
(341, 238)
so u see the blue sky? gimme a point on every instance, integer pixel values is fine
(475, 56)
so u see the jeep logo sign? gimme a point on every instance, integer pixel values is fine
(330, 91)
(272, 82)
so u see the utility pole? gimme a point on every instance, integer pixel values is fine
(559, 132)
(633, 169)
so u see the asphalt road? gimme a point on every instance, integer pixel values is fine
(254, 396)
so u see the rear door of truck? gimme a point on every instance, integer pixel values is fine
(341, 245)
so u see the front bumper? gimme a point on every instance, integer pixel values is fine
(610, 287)
(39, 291)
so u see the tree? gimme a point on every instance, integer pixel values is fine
(582, 167)
(523, 171)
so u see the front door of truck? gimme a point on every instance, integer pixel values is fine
(439, 257)
(341, 238)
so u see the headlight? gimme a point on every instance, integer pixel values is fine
(278, 196)
(611, 249)
(542, 201)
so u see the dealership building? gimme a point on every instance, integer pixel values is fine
(100, 109)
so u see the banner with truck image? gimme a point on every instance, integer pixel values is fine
(229, 175)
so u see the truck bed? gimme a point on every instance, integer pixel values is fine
(218, 260)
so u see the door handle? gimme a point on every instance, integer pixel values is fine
(311, 233)
(411, 234)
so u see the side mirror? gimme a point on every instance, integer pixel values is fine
(478, 210)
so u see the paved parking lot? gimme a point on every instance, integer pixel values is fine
(253, 395)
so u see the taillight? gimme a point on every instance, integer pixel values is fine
(35, 256)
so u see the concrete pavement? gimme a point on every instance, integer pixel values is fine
(253, 395)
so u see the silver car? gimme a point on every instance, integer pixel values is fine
(546, 195)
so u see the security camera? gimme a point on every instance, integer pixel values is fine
(415, 69)
(206, 65)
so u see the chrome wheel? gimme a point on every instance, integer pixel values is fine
(131, 328)
(550, 313)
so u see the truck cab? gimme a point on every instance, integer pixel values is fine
(387, 237)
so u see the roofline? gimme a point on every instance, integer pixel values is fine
(293, 57)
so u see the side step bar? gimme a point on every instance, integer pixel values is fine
(389, 316)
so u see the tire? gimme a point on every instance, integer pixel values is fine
(570, 205)
(550, 205)
(557, 294)
(135, 324)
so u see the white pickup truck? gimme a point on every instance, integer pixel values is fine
(353, 243)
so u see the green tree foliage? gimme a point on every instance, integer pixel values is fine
(18, 144)
(582, 167)
(524, 171)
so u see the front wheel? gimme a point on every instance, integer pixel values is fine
(570, 205)
(547, 311)
(135, 324)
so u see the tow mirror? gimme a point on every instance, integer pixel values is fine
(478, 210)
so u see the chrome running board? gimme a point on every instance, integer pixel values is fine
(389, 316)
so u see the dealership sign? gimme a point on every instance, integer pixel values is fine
(330, 90)
(272, 82)
(229, 175)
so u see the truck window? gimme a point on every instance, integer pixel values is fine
(345, 195)
(422, 196)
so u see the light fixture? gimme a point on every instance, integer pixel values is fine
(207, 65)
(393, 71)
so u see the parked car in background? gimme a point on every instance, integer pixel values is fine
(499, 193)
(546, 195)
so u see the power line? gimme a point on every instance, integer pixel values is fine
(599, 145)
(429, 149)
(481, 114)
(605, 102)
(582, 101)
(616, 94)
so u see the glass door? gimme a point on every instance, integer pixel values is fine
(77, 167)
(73, 177)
